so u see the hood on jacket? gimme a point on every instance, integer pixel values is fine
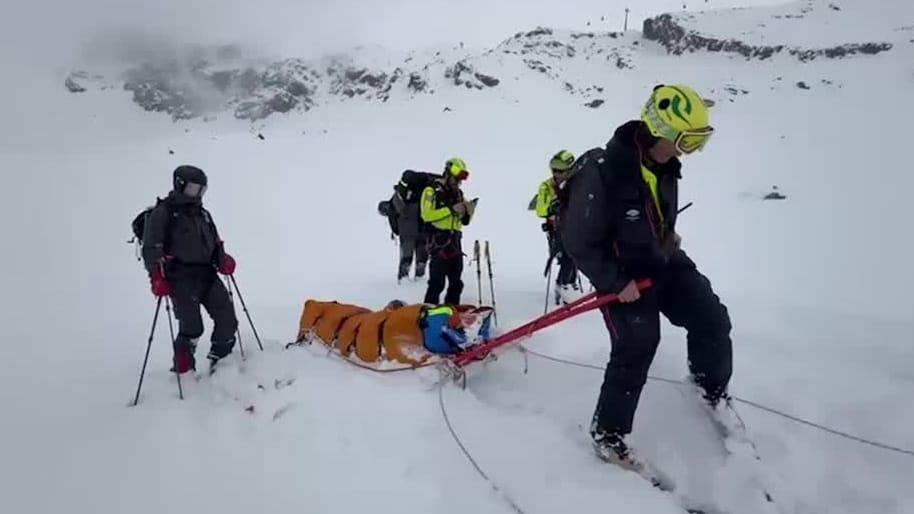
(634, 136)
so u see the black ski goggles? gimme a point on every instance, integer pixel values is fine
(194, 190)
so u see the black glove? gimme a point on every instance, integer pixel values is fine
(553, 207)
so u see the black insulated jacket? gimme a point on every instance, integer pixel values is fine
(610, 225)
(181, 228)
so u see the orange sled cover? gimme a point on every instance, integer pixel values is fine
(408, 334)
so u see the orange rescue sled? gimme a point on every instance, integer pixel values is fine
(409, 334)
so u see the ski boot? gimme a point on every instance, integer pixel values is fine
(183, 359)
(611, 448)
(719, 406)
(218, 351)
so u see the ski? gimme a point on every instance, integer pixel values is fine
(649, 472)
(656, 479)
(729, 436)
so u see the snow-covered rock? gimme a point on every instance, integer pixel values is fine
(761, 33)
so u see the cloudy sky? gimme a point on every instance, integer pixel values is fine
(59, 30)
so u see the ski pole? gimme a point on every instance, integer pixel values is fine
(548, 284)
(237, 330)
(478, 272)
(155, 318)
(245, 307)
(171, 330)
(491, 282)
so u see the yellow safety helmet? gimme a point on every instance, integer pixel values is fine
(563, 160)
(679, 114)
(456, 168)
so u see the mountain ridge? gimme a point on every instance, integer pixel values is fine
(214, 81)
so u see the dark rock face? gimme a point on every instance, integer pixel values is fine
(189, 93)
(666, 31)
(280, 88)
(73, 86)
(417, 83)
(81, 81)
(463, 74)
(185, 90)
(349, 81)
(163, 88)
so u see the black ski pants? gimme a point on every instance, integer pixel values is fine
(412, 247)
(195, 286)
(445, 264)
(568, 273)
(685, 297)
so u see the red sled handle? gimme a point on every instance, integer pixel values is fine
(585, 303)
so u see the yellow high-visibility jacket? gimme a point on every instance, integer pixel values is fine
(435, 207)
(544, 197)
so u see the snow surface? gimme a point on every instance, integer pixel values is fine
(817, 285)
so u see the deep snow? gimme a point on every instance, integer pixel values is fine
(817, 286)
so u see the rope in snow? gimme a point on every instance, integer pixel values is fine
(470, 458)
(741, 400)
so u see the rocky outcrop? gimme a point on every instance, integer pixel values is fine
(417, 83)
(463, 74)
(186, 90)
(351, 82)
(188, 93)
(81, 81)
(540, 66)
(280, 88)
(547, 52)
(677, 39)
(72, 85)
(162, 88)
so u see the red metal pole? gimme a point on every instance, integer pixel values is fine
(586, 303)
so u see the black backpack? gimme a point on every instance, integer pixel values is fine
(412, 183)
(138, 225)
(384, 207)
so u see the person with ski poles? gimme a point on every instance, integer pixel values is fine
(547, 203)
(618, 216)
(444, 209)
(182, 253)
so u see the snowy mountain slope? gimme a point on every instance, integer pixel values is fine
(205, 81)
(817, 285)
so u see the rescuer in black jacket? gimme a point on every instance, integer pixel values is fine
(182, 252)
(618, 214)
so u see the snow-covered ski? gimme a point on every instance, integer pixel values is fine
(733, 433)
(656, 478)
